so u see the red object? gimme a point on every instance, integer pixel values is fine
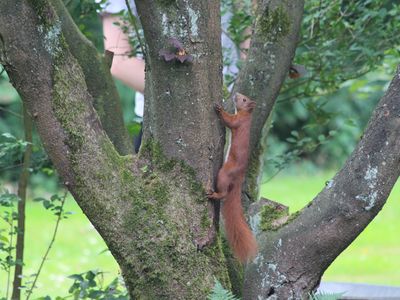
(231, 177)
(297, 71)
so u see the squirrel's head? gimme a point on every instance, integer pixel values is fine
(244, 103)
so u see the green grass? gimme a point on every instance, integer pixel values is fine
(78, 248)
(372, 258)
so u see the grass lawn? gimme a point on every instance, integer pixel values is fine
(373, 258)
(78, 248)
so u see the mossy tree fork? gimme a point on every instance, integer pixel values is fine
(151, 209)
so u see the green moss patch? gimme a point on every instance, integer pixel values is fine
(272, 217)
(274, 24)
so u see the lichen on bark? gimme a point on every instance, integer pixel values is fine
(274, 23)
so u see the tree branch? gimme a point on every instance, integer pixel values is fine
(22, 188)
(98, 79)
(52, 85)
(275, 36)
(148, 209)
(292, 260)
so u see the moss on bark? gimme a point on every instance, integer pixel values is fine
(274, 23)
(166, 207)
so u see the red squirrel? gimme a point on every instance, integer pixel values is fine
(231, 176)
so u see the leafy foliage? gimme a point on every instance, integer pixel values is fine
(237, 18)
(11, 149)
(219, 293)
(341, 42)
(89, 286)
(345, 44)
(8, 201)
(54, 204)
(86, 15)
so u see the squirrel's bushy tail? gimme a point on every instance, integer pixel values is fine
(238, 233)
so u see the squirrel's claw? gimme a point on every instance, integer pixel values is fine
(218, 108)
(210, 194)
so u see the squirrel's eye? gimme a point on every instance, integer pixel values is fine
(244, 100)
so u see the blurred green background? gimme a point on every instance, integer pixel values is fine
(350, 50)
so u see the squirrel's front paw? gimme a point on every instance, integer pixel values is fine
(209, 194)
(218, 108)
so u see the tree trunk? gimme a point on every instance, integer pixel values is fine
(276, 33)
(158, 193)
(151, 210)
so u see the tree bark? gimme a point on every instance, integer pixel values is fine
(180, 96)
(151, 210)
(98, 79)
(276, 32)
(292, 260)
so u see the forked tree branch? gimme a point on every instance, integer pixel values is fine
(273, 43)
(98, 79)
(52, 84)
(149, 210)
(292, 260)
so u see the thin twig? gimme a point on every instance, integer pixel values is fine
(59, 217)
(2, 71)
(9, 252)
(10, 112)
(135, 27)
(20, 164)
(22, 187)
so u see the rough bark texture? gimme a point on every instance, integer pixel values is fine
(98, 80)
(293, 259)
(149, 211)
(273, 43)
(180, 97)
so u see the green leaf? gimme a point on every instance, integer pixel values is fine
(47, 204)
(77, 277)
(90, 275)
(8, 135)
(219, 293)
(4, 239)
(55, 197)
(39, 199)
(8, 199)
